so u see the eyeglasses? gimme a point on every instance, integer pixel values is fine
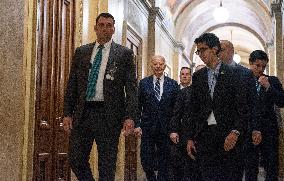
(201, 50)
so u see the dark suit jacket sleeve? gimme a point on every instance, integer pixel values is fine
(71, 93)
(191, 114)
(131, 87)
(241, 105)
(140, 104)
(254, 123)
(275, 91)
(179, 111)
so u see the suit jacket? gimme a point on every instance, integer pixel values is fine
(248, 85)
(120, 93)
(179, 114)
(229, 103)
(155, 115)
(267, 101)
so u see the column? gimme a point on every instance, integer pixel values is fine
(279, 72)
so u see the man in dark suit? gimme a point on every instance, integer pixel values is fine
(179, 162)
(248, 85)
(264, 134)
(216, 115)
(101, 95)
(156, 94)
(185, 77)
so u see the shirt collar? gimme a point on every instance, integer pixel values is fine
(106, 45)
(161, 78)
(181, 86)
(216, 70)
(233, 63)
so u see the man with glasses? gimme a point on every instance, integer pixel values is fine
(216, 115)
(101, 95)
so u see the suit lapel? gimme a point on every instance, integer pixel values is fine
(86, 64)
(204, 82)
(165, 88)
(111, 57)
(151, 85)
(220, 80)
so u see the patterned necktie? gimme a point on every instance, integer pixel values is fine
(213, 83)
(157, 89)
(258, 86)
(93, 76)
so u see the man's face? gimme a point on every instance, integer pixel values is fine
(158, 66)
(227, 53)
(185, 77)
(258, 67)
(104, 29)
(205, 53)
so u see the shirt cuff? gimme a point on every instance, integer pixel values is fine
(236, 132)
(255, 131)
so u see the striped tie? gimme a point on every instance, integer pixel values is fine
(93, 76)
(157, 89)
(258, 86)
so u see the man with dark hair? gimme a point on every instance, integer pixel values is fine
(178, 165)
(216, 115)
(264, 134)
(185, 77)
(100, 98)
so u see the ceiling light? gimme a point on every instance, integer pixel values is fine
(237, 58)
(221, 14)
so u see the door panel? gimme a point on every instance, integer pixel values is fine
(55, 45)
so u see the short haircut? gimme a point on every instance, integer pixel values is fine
(210, 39)
(105, 15)
(258, 54)
(185, 68)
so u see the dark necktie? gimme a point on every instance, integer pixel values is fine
(93, 76)
(258, 86)
(157, 89)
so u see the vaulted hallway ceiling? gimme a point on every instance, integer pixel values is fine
(249, 25)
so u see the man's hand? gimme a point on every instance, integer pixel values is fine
(263, 81)
(174, 137)
(191, 150)
(256, 137)
(230, 141)
(138, 132)
(128, 127)
(67, 124)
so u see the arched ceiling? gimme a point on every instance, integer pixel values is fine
(249, 20)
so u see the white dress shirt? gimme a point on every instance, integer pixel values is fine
(105, 55)
(212, 80)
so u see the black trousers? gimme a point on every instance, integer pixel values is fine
(181, 166)
(176, 162)
(216, 164)
(93, 126)
(268, 150)
(154, 156)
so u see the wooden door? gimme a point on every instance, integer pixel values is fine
(134, 42)
(55, 46)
